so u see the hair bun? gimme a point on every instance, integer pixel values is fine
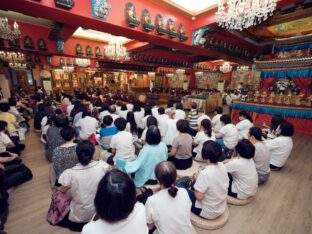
(173, 190)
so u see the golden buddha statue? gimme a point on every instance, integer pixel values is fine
(287, 98)
(309, 101)
(256, 96)
(271, 97)
(263, 97)
(279, 98)
(298, 99)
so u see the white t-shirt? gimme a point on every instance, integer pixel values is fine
(114, 116)
(179, 114)
(123, 143)
(145, 120)
(170, 215)
(103, 114)
(280, 148)
(4, 140)
(172, 131)
(230, 135)
(123, 113)
(262, 158)
(143, 136)
(138, 117)
(245, 177)
(213, 182)
(155, 111)
(201, 118)
(216, 122)
(243, 128)
(135, 223)
(69, 109)
(200, 139)
(88, 126)
(83, 182)
(162, 124)
(129, 107)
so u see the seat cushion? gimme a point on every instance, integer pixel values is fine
(188, 172)
(238, 202)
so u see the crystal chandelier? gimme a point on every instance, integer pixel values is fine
(11, 56)
(68, 69)
(18, 66)
(180, 71)
(240, 14)
(226, 67)
(5, 30)
(81, 62)
(242, 68)
(115, 51)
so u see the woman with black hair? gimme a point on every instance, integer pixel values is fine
(132, 126)
(151, 121)
(138, 116)
(281, 146)
(82, 180)
(179, 112)
(169, 210)
(244, 125)
(227, 136)
(123, 111)
(204, 134)
(147, 113)
(87, 125)
(275, 122)
(153, 152)
(116, 207)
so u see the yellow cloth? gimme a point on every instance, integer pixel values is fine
(10, 119)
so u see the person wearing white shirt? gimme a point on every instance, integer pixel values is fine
(154, 109)
(138, 116)
(147, 113)
(104, 112)
(87, 126)
(169, 210)
(129, 106)
(244, 125)
(82, 181)
(242, 171)
(227, 136)
(122, 143)
(216, 122)
(262, 154)
(151, 120)
(179, 112)
(123, 111)
(162, 121)
(204, 134)
(281, 146)
(201, 116)
(112, 112)
(209, 197)
(172, 131)
(116, 207)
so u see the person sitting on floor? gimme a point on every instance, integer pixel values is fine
(281, 146)
(117, 211)
(179, 112)
(181, 152)
(172, 131)
(162, 122)
(201, 117)
(132, 126)
(227, 136)
(107, 131)
(244, 125)
(87, 126)
(193, 116)
(122, 143)
(211, 184)
(8, 117)
(112, 112)
(150, 155)
(276, 120)
(151, 121)
(82, 180)
(204, 134)
(169, 210)
(6, 144)
(216, 121)
(262, 154)
(123, 111)
(242, 171)
(40, 113)
(64, 156)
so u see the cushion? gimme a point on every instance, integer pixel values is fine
(210, 224)
(188, 172)
(238, 202)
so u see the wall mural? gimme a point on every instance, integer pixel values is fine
(198, 35)
(100, 9)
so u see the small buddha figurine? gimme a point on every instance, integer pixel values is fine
(263, 97)
(271, 97)
(256, 96)
(298, 99)
(287, 98)
(279, 98)
(309, 101)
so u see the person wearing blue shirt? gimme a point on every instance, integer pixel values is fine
(106, 132)
(153, 152)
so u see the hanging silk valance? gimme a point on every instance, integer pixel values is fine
(287, 74)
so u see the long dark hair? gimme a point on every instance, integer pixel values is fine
(131, 121)
(207, 127)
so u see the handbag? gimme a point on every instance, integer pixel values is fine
(59, 207)
(92, 139)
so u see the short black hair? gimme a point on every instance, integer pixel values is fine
(107, 120)
(115, 197)
(85, 150)
(136, 107)
(179, 106)
(161, 110)
(151, 120)
(245, 149)
(218, 110)
(3, 125)
(60, 121)
(41, 107)
(120, 123)
(287, 129)
(104, 107)
(68, 133)
(58, 111)
(153, 135)
(112, 109)
(169, 104)
(4, 107)
(245, 115)
(183, 126)
(147, 111)
(256, 133)
(194, 105)
(226, 119)
(12, 101)
(123, 107)
(212, 151)
(276, 121)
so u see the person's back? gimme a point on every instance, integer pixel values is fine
(262, 158)
(106, 135)
(230, 135)
(170, 215)
(243, 128)
(179, 114)
(162, 123)
(10, 119)
(87, 126)
(172, 131)
(123, 143)
(54, 139)
(64, 158)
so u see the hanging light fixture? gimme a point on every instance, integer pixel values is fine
(5, 29)
(68, 69)
(18, 66)
(226, 67)
(10, 56)
(82, 62)
(242, 68)
(240, 14)
(180, 71)
(115, 51)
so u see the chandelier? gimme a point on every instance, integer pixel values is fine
(18, 66)
(240, 14)
(180, 71)
(82, 62)
(115, 51)
(226, 67)
(11, 56)
(68, 69)
(6, 32)
(242, 68)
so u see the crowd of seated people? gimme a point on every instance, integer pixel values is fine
(146, 144)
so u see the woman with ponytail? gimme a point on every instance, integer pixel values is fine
(244, 125)
(82, 181)
(205, 134)
(169, 210)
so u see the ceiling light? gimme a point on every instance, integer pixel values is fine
(226, 67)
(6, 32)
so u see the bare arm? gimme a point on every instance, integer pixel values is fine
(173, 152)
(199, 196)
